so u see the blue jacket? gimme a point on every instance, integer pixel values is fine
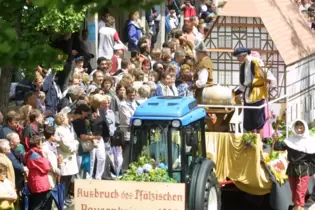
(4, 131)
(17, 162)
(134, 34)
(51, 100)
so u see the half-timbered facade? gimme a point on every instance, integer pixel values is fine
(285, 43)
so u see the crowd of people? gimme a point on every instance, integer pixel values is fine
(60, 131)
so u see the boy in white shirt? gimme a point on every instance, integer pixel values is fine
(174, 22)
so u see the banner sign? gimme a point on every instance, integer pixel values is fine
(119, 195)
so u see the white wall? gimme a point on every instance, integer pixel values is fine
(300, 81)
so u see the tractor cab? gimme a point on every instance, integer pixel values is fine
(172, 130)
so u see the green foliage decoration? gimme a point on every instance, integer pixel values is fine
(249, 139)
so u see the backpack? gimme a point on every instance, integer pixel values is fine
(125, 36)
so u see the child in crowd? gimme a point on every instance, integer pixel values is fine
(185, 79)
(41, 102)
(7, 191)
(172, 84)
(79, 63)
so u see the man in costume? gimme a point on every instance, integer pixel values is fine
(203, 73)
(254, 86)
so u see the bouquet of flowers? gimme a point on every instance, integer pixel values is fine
(147, 169)
(249, 139)
(277, 163)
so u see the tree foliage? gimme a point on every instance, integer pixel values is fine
(29, 26)
(55, 21)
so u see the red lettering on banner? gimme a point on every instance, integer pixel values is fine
(126, 195)
(96, 193)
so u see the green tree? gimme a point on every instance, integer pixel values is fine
(29, 26)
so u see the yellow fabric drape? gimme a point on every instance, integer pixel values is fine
(241, 165)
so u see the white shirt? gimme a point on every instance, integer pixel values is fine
(174, 21)
(107, 42)
(202, 78)
(53, 159)
(68, 147)
(126, 111)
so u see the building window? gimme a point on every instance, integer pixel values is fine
(235, 20)
(308, 103)
(253, 42)
(225, 40)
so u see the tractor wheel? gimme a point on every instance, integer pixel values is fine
(192, 187)
(208, 192)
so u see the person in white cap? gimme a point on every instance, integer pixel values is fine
(116, 59)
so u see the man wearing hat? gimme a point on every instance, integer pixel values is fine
(254, 86)
(203, 72)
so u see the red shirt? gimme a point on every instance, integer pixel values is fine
(38, 166)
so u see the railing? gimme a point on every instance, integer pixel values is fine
(238, 107)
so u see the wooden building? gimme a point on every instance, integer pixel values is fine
(277, 30)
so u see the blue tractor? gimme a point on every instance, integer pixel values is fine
(173, 128)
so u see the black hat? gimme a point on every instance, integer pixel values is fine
(241, 50)
(78, 59)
